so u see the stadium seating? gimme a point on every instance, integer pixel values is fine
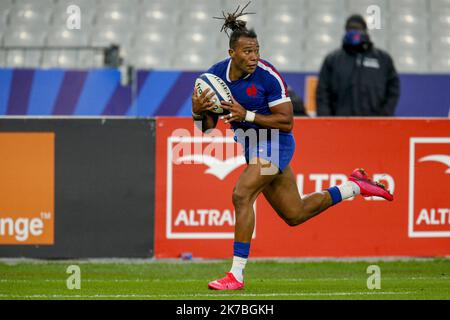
(60, 15)
(2, 59)
(165, 34)
(58, 37)
(191, 59)
(113, 34)
(116, 15)
(15, 58)
(30, 13)
(285, 59)
(158, 15)
(24, 36)
(284, 17)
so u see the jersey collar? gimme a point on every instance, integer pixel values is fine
(228, 72)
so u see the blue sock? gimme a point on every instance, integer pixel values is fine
(336, 196)
(241, 249)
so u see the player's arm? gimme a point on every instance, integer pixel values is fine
(282, 116)
(203, 119)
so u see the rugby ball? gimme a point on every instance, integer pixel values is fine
(216, 85)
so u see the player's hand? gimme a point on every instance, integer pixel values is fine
(237, 112)
(203, 102)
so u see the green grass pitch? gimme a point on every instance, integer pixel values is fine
(187, 280)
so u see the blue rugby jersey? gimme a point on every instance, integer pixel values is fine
(256, 92)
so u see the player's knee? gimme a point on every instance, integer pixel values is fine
(296, 218)
(293, 222)
(240, 197)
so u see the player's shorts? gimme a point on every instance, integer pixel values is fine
(274, 146)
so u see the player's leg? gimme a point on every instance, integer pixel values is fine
(282, 194)
(249, 185)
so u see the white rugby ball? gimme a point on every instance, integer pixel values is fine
(216, 85)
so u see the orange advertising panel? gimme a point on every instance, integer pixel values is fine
(194, 212)
(27, 168)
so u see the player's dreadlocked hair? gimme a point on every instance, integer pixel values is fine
(238, 27)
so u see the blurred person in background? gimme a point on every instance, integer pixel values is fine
(297, 103)
(357, 79)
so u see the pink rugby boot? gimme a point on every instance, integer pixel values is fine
(228, 282)
(368, 187)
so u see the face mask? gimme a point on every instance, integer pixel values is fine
(355, 38)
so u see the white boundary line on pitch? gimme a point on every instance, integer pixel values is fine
(201, 280)
(14, 261)
(302, 294)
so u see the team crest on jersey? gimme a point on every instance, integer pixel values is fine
(252, 91)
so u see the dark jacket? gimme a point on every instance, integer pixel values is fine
(358, 84)
(297, 103)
